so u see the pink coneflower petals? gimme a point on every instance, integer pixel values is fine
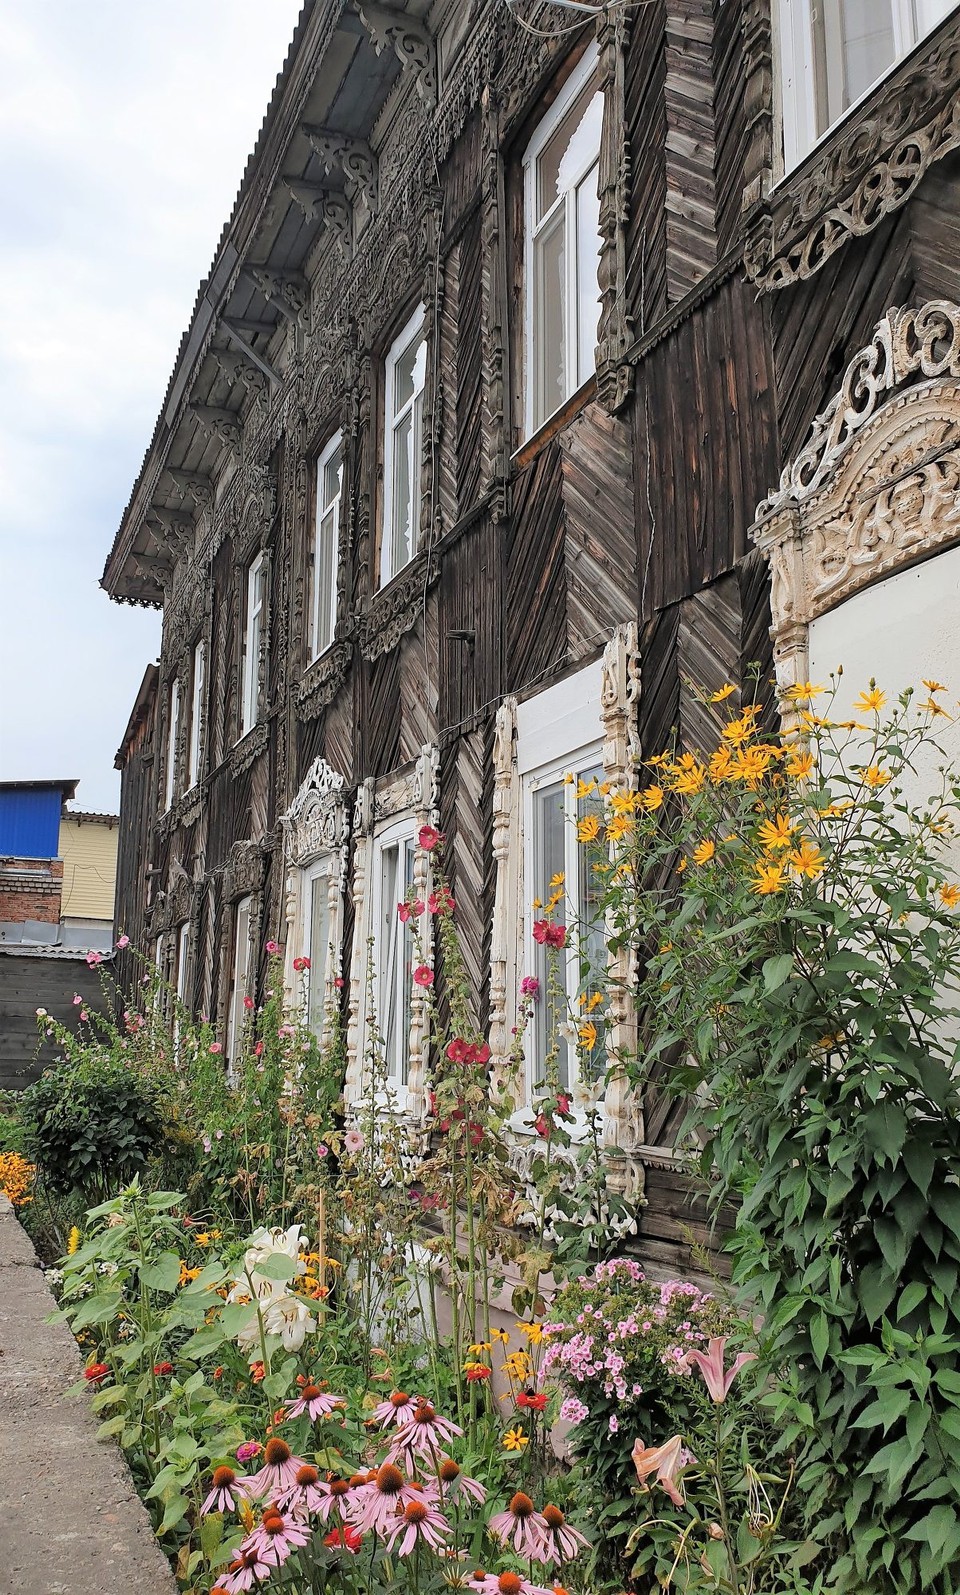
(308, 1494)
(422, 1435)
(505, 1584)
(559, 1541)
(276, 1537)
(375, 1507)
(397, 1409)
(454, 1482)
(315, 1402)
(278, 1473)
(247, 1570)
(225, 1492)
(420, 1522)
(520, 1526)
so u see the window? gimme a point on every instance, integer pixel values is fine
(183, 958)
(196, 715)
(556, 799)
(561, 172)
(405, 373)
(318, 937)
(329, 487)
(240, 979)
(833, 51)
(393, 948)
(173, 731)
(253, 643)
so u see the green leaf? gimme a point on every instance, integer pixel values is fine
(163, 1274)
(876, 1289)
(776, 971)
(910, 1298)
(885, 1126)
(277, 1266)
(820, 1337)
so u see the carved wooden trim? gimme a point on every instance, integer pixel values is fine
(614, 373)
(316, 826)
(506, 864)
(867, 169)
(876, 487)
(245, 871)
(323, 679)
(249, 748)
(410, 41)
(396, 610)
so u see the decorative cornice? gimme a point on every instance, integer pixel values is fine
(395, 610)
(869, 168)
(353, 156)
(323, 680)
(288, 291)
(224, 425)
(907, 343)
(192, 484)
(410, 41)
(249, 748)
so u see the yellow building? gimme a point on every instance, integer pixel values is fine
(88, 848)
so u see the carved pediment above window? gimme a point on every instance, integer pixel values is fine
(255, 507)
(245, 870)
(318, 819)
(396, 609)
(877, 485)
(323, 680)
(869, 167)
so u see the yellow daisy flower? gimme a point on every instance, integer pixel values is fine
(776, 833)
(799, 764)
(950, 896)
(874, 777)
(870, 702)
(704, 851)
(934, 686)
(768, 878)
(804, 692)
(515, 1440)
(588, 829)
(588, 1035)
(726, 691)
(652, 798)
(807, 859)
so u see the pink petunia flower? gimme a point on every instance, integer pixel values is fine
(279, 1471)
(520, 1526)
(421, 1523)
(224, 1495)
(423, 975)
(710, 1364)
(315, 1402)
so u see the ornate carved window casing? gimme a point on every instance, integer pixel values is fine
(243, 881)
(388, 814)
(615, 334)
(877, 485)
(316, 833)
(602, 738)
(866, 168)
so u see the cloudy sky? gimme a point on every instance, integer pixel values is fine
(124, 131)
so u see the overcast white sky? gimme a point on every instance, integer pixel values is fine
(124, 130)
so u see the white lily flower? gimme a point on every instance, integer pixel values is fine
(291, 1319)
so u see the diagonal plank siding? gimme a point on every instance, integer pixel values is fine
(599, 514)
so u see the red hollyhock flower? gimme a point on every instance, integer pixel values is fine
(441, 902)
(429, 837)
(423, 975)
(541, 1126)
(479, 1054)
(458, 1051)
(300, 964)
(563, 1102)
(549, 935)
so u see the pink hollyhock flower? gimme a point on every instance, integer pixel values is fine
(397, 1409)
(277, 1536)
(710, 1364)
(345, 1539)
(441, 902)
(421, 1435)
(375, 1507)
(423, 975)
(315, 1403)
(559, 1542)
(429, 837)
(279, 1471)
(521, 1526)
(667, 1461)
(224, 1495)
(247, 1570)
(421, 1523)
(77, 1001)
(300, 964)
(249, 1004)
(93, 959)
(216, 1046)
(407, 911)
(258, 1050)
(273, 947)
(124, 941)
(84, 1016)
(339, 983)
(454, 1482)
(353, 1141)
(563, 1102)
(530, 987)
(322, 1150)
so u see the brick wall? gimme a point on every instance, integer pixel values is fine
(30, 888)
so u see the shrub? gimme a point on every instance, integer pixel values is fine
(89, 1129)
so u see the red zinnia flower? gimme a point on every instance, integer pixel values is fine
(532, 1401)
(163, 1367)
(96, 1371)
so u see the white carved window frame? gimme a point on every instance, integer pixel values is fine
(395, 416)
(876, 487)
(613, 684)
(255, 622)
(386, 810)
(170, 776)
(316, 830)
(196, 729)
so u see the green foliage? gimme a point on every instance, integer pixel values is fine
(803, 968)
(88, 1129)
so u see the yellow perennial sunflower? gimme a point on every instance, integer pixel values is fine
(870, 702)
(704, 851)
(776, 833)
(950, 896)
(652, 798)
(588, 829)
(807, 859)
(768, 878)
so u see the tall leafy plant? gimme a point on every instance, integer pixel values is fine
(799, 933)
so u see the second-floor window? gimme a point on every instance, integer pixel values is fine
(561, 172)
(833, 51)
(196, 714)
(329, 487)
(254, 629)
(173, 732)
(405, 373)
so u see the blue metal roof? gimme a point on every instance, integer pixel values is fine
(30, 820)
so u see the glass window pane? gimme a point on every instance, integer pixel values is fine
(319, 948)
(409, 372)
(332, 479)
(549, 837)
(854, 46)
(929, 13)
(402, 540)
(570, 149)
(326, 577)
(588, 287)
(549, 321)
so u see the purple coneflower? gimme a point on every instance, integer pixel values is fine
(307, 1494)
(454, 1482)
(559, 1542)
(521, 1526)
(422, 1435)
(278, 1473)
(504, 1584)
(315, 1402)
(225, 1493)
(398, 1408)
(277, 1537)
(330, 1495)
(377, 1505)
(248, 1569)
(420, 1521)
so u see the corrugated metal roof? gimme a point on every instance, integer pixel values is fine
(30, 820)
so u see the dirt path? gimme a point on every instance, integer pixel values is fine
(72, 1523)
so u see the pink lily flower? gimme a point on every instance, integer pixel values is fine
(710, 1364)
(667, 1461)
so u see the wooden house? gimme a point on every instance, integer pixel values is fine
(556, 363)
